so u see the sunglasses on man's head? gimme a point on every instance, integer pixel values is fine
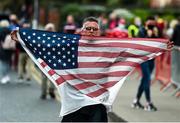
(91, 28)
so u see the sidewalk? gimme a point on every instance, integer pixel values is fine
(168, 105)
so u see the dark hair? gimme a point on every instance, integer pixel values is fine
(150, 18)
(91, 19)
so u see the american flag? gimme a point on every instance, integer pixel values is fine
(92, 65)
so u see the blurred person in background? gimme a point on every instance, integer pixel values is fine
(176, 34)
(170, 30)
(175, 56)
(13, 22)
(133, 29)
(161, 27)
(7, 47)
(120, 31)
(149, 31)
(46, 85)
(103, 22)
(113, 21)
(70, 26)
(121, 24)
(23, 60)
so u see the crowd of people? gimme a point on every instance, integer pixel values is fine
(13, 56)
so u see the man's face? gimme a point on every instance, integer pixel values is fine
(90, 29)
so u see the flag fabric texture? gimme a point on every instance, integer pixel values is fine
(94, 66)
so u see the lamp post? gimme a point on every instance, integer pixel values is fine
(36, 14)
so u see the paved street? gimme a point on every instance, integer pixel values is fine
(20, 102)
(168, 105)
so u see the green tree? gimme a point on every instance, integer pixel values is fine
(9, 4)
(113, 3)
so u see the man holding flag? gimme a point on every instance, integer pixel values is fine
(87, 70)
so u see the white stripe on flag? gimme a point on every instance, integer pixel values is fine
(114, 50)
(55, 76)
(104, 59)
(94, 70)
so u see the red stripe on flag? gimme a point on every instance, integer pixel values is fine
(98, 54)
(51, 72)
(43, 64)
(59, 81)
(123, 45)
(106, 64)
(84, 85)
(109, 84)
(93, 76)
(97, 93)
(130, 55)
(101, 38)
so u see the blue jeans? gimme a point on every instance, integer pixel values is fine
(4, 68)
(147, 68)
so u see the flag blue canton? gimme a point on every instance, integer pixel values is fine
(58, 50)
